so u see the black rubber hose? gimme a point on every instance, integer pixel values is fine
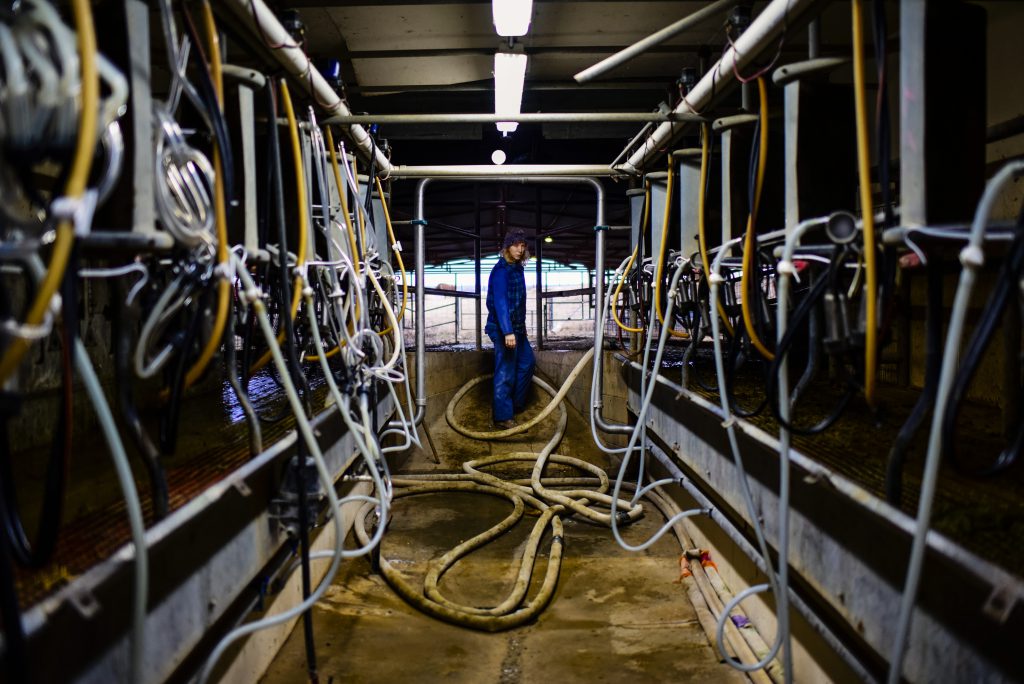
(298, 377)
(15, 644)
(984, 332)
(923, 406)
(800, 314)
(208, 94)
(813, 355)
(231, 367)
(125, 317)
(37, 552)
(176, 380)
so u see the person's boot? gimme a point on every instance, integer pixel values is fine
(505, 424)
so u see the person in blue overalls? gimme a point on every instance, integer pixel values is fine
(506, 326)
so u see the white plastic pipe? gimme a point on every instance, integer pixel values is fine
(264, 26)
(765, 29)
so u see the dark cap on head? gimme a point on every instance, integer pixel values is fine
(513, 236)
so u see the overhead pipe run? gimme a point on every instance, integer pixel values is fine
(524, 117)
(265, 27)
(600, 228)
(766, 28)
(508, 173)
(642, 46)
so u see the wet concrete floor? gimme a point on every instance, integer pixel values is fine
(616, 616)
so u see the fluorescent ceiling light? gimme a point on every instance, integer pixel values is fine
(509, 77)
(512, 17)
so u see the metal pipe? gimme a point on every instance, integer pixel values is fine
(264, 26)
(814, 38)
(502, 173)
(524, 117)
(539, 287)
(421, 304)
(609, 63)
(599, 252)
(764, 30)
(477, 249)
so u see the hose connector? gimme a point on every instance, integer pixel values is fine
(600, 228)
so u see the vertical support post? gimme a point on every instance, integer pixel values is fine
(247, 124)
(539, 240)
(476, 271)
(140, 105)
(940, 182)
(690, 190)
(421, 318)
(458, 314)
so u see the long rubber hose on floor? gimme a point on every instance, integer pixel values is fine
(538, 494)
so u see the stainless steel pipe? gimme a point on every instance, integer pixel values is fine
(599, 255)
(763, 31)
(265, 29)
(525, 117)
(641, 46)
(509, 174)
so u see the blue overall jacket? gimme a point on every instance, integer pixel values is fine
(506, 299)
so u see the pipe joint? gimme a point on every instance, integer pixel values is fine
(600, 228)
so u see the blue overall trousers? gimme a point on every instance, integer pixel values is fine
(506, 313)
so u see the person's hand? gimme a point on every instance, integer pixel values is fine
(510, 341)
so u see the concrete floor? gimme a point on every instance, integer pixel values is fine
(616, 616)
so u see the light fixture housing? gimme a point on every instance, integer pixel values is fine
(511, 17)
(498, 157)
(509, 79)
(548, 238)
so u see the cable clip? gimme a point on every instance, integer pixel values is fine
(557, 539)
(597, 228)
(224, 271)
(972, 257)
(78, 210)
(715, 279)
(418, 222)
(252, 294)
(729, 422)
(786, 268)
(396, 247)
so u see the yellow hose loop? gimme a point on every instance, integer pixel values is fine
(632, 258)
(213, 343)
(705, 153)
(343, 195)
(867, 212)
(74, 189)
(398, 256)
(300, 185)
(749, 243)
(663, 251)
